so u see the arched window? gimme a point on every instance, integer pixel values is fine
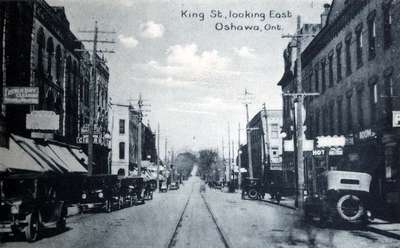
(58, 65)
(68, 75)
(121, 172)
(41, 45)
(50, 54)
(49, 101)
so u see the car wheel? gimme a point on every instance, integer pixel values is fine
(61, 224)
(151, 195)
(33, 227)
(350, 208)
(253, 194)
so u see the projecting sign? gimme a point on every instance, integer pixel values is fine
(308, 145)
(396, 118)
(42, 120)
(21, 95)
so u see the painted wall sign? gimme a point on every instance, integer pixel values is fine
(42, 120)
(21, 95)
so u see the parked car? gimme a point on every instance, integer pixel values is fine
(101, 192)
(29, 203)
(164, 187)
(342, 198)
(132, 190)
(149, 188)
(252, 188)
(174, 186)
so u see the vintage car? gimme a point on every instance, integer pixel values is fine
(149, 188)
(163, 187)
(252, 188)
(132, 190)
(174, 186)
(342, 198)
(101, 192)
(29, 203)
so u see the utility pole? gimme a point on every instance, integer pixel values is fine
(229, 152)
(267, 141)
(239, 159)
(223, 157)
(92, 87)
(165, 150)
(246, 100)
(299, 98)
(158, 156)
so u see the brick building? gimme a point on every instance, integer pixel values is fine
(39, 51)
(353, 63)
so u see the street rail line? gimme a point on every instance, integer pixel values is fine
(172, 241)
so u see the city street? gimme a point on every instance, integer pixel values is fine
(242, 223)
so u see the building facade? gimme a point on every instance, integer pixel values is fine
(353, 64)
(39, 53)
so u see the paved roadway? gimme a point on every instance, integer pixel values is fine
(244, 223)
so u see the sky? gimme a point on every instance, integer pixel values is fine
(192, 75)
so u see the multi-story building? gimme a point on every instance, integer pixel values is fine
(353, 63)
(45, 70)
(288, 85)
(266, 142)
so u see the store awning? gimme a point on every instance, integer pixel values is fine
(29, 155)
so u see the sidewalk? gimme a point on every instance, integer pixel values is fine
(378, 226)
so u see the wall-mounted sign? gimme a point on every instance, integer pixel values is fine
(98, 140)
(366, 134)
(85, 129)
(335, 151)
(329, 141)
(42, 120)
(396, 118)
(288, 146)
(318, 152)
(21, 95)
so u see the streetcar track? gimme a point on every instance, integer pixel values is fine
(172, 241)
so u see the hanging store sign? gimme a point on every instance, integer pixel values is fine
(335, 151)
(396, 118)
(21, 95)
(318, 152)
(42, 120)
(98, 140)
(366, 134)
(85, 129)
(329, 141)
(308, 145)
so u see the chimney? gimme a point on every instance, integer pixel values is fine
(324, 15)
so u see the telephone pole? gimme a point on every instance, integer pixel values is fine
(92, 87)
(246, 100)
(239, 159)
(299, 98)
(229, 153)
(158, 155)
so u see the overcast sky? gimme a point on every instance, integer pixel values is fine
(192, 74)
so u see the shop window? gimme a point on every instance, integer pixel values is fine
(348, 56)
(121, 150)
(371, 38)
(360, 109)
(387, 26)
(373, 100)
(122, 126)
(323, 78)
(330, 62)
(339, 63)
(359, 47)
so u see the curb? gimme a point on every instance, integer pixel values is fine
(383, 232)
(279, 204)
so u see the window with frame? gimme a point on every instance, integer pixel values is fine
(339, 63)
(340, 116)
(389, 93)
(371, 37)
(331, 118)
(317, 121)
(325, 121)
(323, 77)
(348, 56)
(373, 101)
(316, 78)
(330, 62)
(359, 47)
(122, 126)
(360, 113)
(121, 150)
(387, 25)
(349, 114)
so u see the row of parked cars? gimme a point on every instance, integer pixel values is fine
(30, 203)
